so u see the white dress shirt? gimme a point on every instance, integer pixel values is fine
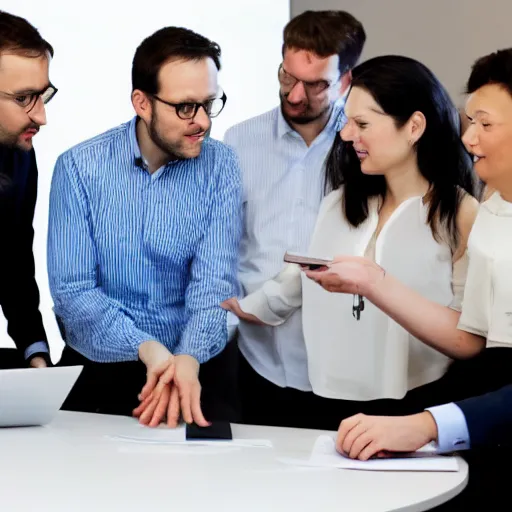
(283, 189)
(452, 428)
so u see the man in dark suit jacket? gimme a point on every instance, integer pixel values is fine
(489, 418)
(482, 423)
(24, 90)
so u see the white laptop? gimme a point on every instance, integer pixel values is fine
(32, 396)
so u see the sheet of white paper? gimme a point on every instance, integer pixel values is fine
(141, 433)
(175, 449)
(324, 454)
(177, 436)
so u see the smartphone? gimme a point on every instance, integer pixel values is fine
(218, 430)
(306, 261)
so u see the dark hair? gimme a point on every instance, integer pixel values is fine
(18, 36)
(169, 43)
(495, 68)
(327, 33)
(402, 86)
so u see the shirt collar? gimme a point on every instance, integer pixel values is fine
(498, 206)
(282, 126)
(138, 159)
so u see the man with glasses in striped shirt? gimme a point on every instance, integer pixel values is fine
(145, 222)
(25, 89)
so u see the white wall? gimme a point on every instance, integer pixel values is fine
(94, 47)
(446, 35)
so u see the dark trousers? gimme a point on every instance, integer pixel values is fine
(11, 358)
(264, 403)
(112, 388)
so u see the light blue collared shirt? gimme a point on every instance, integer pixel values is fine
(134, 256)
(452, 429)
(284, 182)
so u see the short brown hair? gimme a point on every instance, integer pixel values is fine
(327, 33)
(164, 45)
(17, 35)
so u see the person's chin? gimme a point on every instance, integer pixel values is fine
(484, 172)
(24, 144)
(195, 153)
(192, 151)
(295, 111)
(299, 115)
(367, 168)
(301, 118)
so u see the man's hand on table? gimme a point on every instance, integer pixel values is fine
(155, 394)
(186, 381)
(361, 437)
(172, 387)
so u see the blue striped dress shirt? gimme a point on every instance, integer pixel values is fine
(134, 256)
(283, 188)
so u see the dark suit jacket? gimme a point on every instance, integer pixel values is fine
(19, 294)
(489, 418)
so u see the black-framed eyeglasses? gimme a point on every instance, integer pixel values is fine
(28, 100)
(288, 82)
(187, 110)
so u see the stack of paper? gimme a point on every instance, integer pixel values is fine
(324, 454)
(177, 436)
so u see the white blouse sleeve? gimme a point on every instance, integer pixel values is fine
(476, 306)
(277, 299)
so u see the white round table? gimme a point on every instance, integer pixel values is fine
(71, 465)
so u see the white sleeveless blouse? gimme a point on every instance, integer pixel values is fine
(374, 357)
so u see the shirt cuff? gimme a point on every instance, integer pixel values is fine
(452, 429)
(38, 346)
(257, 304)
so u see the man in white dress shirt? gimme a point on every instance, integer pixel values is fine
(282, 154)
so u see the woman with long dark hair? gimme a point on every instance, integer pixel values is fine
(485, 317)
(482, 423)
(402, 199)
(382, 90)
